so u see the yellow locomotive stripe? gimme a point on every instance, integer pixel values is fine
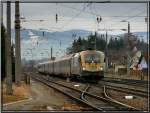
(92, 66)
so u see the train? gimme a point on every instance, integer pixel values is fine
(87, 65)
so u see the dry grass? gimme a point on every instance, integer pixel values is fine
(40, 108)
(11, 98)
(19, 93)
(68, 106)
(73, 107)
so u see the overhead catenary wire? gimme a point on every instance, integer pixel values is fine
(97, 14)
(122, 16)
(117, 23)
(93, 13)
(67, 23)
(102, 15)
(129, 18)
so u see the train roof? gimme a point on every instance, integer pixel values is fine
(44, 63)
(64, 57)
(97, 51)
(69, 56)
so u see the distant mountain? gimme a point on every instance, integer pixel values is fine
(64, 35)
(59, 41)
(142, 35)
(68, 36)
(24, 34)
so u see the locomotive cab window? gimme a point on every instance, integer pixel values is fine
(89, 58)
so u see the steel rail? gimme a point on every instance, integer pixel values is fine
(135, 92)
(107, 99)
(105, 94)
(126, 82)
(67, 94)
(98, 97)
(83, 98)
(128, 90)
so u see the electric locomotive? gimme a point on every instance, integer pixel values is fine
(92, 64)
(87, 65)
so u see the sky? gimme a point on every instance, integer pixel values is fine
(81, 16)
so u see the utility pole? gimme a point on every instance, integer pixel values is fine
(17, 45)
(1, 13)
(106, 53)
(99, 19)
(51, 53)
(95, 39)
(32, 62)
(8, 52)
(128, 47)
(128, 29)
(128, 57)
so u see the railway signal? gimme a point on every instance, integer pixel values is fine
(99, 19)
(56, 17)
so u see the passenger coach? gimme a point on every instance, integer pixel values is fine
(87, 64)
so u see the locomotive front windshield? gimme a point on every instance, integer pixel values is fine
(89, 58)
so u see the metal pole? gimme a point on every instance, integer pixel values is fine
(96, 35)
(128, 28)
(106, 53)
(32, 59)
(51, 53)
(8, 52)
(17, 45)
(95, 41)
(1, 13)
(128, 57)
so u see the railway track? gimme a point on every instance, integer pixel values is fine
(139, 83)
(95, 102)
(127, 90)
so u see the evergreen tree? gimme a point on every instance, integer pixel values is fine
(115, 43)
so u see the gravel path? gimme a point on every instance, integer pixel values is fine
(41, 98)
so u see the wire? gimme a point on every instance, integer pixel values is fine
(99, 14)
(76, 15)
(67, 23)
(128, 18)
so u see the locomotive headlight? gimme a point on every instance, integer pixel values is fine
(101, 68)
(83, 68)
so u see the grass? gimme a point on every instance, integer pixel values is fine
(19, 93)
(12, 98)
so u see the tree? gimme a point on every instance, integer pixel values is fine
(116, 43)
